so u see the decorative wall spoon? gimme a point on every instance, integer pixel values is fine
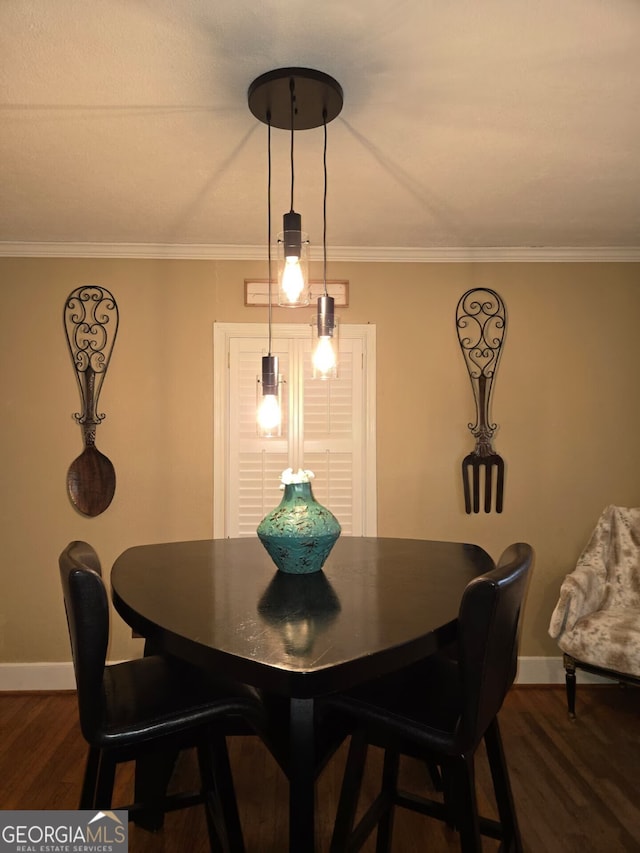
(91, 325)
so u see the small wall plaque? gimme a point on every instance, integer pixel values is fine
(256, 292)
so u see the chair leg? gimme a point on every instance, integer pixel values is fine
(390, 772)
(349, 792)
(442, 784)
(512, 842)
(220, 799)
(448, 797)
(466, 805)
(152, 778)
(434, 774)
(105, 781)
(212, 808)
(90, 780)
(570, 680)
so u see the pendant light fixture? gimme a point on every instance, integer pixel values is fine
(324, 357)
(269, 386)
(293, 267)
(294, 99)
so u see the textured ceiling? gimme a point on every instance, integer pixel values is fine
(499, 123)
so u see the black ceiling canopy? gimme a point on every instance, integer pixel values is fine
(314, 92)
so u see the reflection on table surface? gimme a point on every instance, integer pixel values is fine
(298, 608)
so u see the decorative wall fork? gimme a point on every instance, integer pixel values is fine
(481, 323)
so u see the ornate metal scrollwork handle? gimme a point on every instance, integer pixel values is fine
(481, 323)
(91, 325)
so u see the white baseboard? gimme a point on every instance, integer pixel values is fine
(37, 676)
(59, 676)
(539, 670)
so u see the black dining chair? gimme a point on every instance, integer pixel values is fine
(439, 710)
(145, 707)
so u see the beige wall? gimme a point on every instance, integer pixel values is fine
(565, 399)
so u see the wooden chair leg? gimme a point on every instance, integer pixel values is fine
(213, 810)
(349, 793)
(570, 681)
(153, 775)
(434, 774)
(220, 798)
(90, 780)
(105, 781)
(466, 805)
(512, 841)
(390, 772)
(448, 797)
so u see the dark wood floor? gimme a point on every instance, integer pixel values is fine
(576, 784)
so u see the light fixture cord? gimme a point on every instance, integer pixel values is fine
(324, 202)
(292, 86)
(269, 216)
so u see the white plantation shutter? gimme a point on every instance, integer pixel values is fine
(331, 431)
(255, 463)
(328, 427)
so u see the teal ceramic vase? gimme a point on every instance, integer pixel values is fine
(299, 533)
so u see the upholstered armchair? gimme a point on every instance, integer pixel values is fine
(597, 618)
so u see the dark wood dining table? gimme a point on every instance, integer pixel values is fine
(378, 605)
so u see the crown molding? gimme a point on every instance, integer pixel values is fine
(357, 254)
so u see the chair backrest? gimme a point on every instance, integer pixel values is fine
(488, 637)
(87, 608)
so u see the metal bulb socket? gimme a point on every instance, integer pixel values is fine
(292, 228)
(326, 316)
(269, 375)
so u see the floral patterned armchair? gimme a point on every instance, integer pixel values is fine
(597, 618)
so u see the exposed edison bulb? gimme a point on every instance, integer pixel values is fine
(292, 278)
(324, 356)
(269, 415)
